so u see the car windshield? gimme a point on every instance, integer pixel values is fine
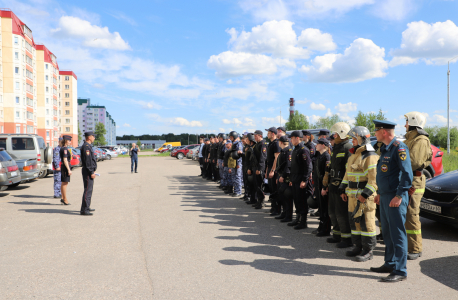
(4, 156)
(12, 155)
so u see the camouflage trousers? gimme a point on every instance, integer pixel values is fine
(221, 170)
(237, 178)
(227, 177)
(57, 183)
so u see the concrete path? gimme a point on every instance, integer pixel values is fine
(166, 234)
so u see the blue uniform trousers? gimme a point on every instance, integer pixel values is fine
(394, 233)
(227, 177)
(237, 179)
(221, 171)
(57, 183)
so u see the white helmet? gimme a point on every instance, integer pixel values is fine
(341, 128)
(415, 118)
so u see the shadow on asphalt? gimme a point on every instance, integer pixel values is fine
(51, 211)
(271, 238)
(442, 269)
(34, 203)
(34, 196)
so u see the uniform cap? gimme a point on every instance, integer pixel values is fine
(306, 132)
(281, 128)
(383, 124)
(324, 142)
(258, 132)
(229, 142)
(272, 129)
(206, 140)
(89, 133)
(297, 133)
(323, 132)
(67, 137)
(284, 139)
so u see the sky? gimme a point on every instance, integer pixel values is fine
(215, 66)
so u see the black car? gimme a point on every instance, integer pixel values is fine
(440, 200)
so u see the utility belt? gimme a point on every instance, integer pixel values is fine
(418, 172)
(357, 185)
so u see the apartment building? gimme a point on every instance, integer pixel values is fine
(31, 85)
(89, 115)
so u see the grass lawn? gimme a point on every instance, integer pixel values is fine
(450, 161)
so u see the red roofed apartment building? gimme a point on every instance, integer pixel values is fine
(30, 85)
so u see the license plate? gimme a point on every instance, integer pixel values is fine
(13, 174)
(431, 207)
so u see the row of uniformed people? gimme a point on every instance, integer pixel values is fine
(348, 183)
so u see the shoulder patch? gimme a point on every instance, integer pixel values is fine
(366, 154)
(401, 149)
(87, 152)
(302, 148)
(304, 156)
(402, 155)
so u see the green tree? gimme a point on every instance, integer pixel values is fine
(327, 122)
(100, 132)
(139, 144)
(297, 121)
(80, 135)
(365, 120)
(438, 136)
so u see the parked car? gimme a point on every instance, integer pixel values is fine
(97, 153)
(440, 200)
(27, 168)
(104, 154)
(29, 146)
(183, 151)
(9, 171)
(110, 154)
(76, 158)
(191, 151)
(195, 155)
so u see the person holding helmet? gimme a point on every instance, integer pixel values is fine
(283, 171)
(300, 173)
(321, 164)
(236, 173)
(220, 157)
(257, 168)
(338, 209)
(359, 188)
(417, 140)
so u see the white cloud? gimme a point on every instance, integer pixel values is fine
(265, 9)
(318, 106)
(121, 16)
(236, 64)
(305, 101)
(183, 122)
(274, 121)
(363, 60)
(433, 43)
(98, 86)
(439, 119)
(221, 129)
(273, 37)
(393, 9)
(346, 107)
(240, 122)
(92, 35)
(313, 39)
(147, 104)
(126, 125)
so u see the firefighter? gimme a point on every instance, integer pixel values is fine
(359, 188)
(417, 140)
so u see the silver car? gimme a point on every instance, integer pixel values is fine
(9, 171)
(27, 168)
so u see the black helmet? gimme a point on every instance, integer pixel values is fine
(250, 137)
(250, 178)
(312, 202)
(265, 188)
(235, 155)
(224, 136)
(233, 134)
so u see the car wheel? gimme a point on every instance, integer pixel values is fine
(3, 188)
(180, 156)
(427, 174)
(43, 173)
(109, 157)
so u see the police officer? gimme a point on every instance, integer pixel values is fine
(273, 150)
(201, 157)
(228, 186)
(214, 154)
(245, 159)
(89, 163)
(236, 173)
(281, 131)
(66, 167)
(284, 191)
(308, 142)
(300, 173)
(338, 209)
(205, 153)
(220, 157)
(417, 140)
(56, 162)
(359, 188)
(394, 179)
(321, 164)
(258, 167)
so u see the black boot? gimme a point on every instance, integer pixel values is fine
(295, 222)
(354, 252)
(303, 223)
(281, 216)
(380, 239)
(345, 243)
(287, 219)
(364, 256)
(323, 233)
(334, 239)
(229, 190)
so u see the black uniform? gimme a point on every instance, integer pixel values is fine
(213, 160)
(65, 153)
(245, 159)
(322, 162)
(301, 169)
(338, 209)
(273, 148)
(283, 171)
(258, 163)
(205, 151)
(89, 163)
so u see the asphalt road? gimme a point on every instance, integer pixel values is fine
(165, 233)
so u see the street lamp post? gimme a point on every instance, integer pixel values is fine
(448, 104)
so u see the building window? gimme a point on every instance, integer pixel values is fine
(46, 66)
(67, 103)
(67, 78)
(18, 129)
(47, 77)
(1, 113)
(16, 70)
(47, 89)
(1, 127)
(17, 100)
(67, 95)
(67, 87)
(47, 122)
(16, 40)
(47, 134)
(17, 115)
(16, 55)
(67, 121)
(17, 85)
(47, 100)
(67, 129)
(67, 112)
(47, 112)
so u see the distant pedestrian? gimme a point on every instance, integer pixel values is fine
(66, 170)
(56, 170)
(134, 157)
(89, 166)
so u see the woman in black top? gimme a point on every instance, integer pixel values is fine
(323, 160)
(66, 171)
